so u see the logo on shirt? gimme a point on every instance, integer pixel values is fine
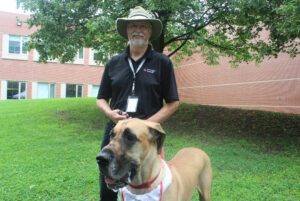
(148, 70)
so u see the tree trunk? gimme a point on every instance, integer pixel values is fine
(158, 44)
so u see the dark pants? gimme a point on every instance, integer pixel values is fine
(105, 193)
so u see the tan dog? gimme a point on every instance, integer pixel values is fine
(132, 159)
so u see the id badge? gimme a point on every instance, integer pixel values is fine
(132, 103)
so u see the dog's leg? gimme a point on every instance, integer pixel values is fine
(204, 183)
(200, 196)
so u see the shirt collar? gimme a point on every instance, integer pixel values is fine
(148, 53)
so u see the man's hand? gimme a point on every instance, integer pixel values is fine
(114, 115)
(117, 115)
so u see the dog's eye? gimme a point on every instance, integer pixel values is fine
(111, 135)
(129, 137)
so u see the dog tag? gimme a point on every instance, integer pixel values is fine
(132, 103)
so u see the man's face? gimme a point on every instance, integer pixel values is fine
(139, 33)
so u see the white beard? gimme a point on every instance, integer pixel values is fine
(138, 42)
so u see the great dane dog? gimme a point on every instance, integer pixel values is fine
(131, 162)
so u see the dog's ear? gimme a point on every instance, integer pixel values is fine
(157, 134)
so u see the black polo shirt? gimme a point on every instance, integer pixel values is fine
(155, 82)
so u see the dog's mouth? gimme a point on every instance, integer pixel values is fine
(115, 184)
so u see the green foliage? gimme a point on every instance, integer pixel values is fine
(48, 149)
(214, 28)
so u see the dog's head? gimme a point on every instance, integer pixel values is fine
(132, 143)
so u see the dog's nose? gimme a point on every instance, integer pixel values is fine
(103, 158)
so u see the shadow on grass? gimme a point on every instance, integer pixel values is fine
(271, 131)
(266, 132)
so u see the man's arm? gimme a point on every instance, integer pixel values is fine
(167, 110)
(111, 114)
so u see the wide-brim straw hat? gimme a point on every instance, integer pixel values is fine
(139, 14)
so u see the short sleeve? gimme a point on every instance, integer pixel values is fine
(105, 85)
(170, 92)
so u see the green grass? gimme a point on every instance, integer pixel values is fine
(48, 149)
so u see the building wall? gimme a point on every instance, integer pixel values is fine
(50, 72)
(274, 85)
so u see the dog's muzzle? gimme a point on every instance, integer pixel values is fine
(117, 172)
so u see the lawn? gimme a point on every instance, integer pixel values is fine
(48, 149)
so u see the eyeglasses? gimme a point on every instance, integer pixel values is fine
(140, 26)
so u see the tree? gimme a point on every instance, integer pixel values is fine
(214, 28)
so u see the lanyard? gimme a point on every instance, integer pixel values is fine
(134, 73)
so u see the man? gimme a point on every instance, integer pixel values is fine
(137, 81)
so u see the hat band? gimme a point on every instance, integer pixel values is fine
(139, 14)
(138, 17)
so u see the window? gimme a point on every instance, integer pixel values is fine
(95, 90)
(73, 90)
(95, 55)
(16, 90)
(13, 47)
(80, 54)
(45, 90)
(79, 91)
(52, 90)
(17, 44)
(93, 58)
(79, 58)
(92, 90)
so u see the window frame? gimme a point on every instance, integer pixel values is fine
(49, 90)
(6, 52)
(19, 90)
(22, 40)
(77, 86)
(92, 61)
(77, 59)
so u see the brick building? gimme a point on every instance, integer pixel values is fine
(21, 76)
(273, 86)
